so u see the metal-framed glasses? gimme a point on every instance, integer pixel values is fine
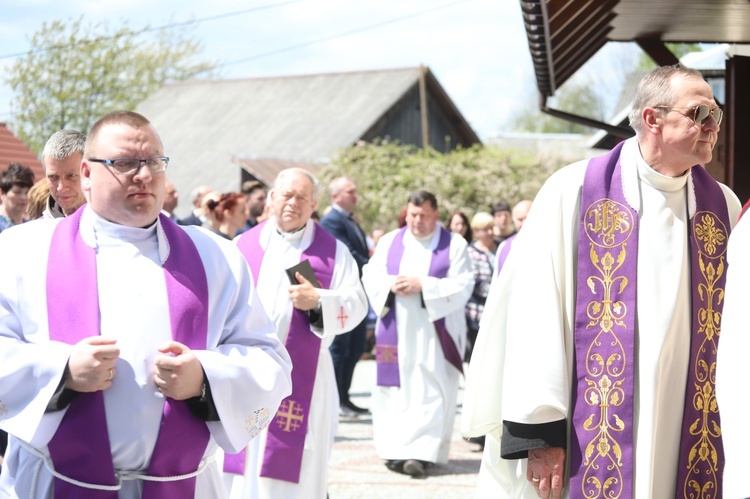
(700, 113)
(131, 166)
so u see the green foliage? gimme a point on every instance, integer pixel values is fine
(74, 73)
(467, 179)
(645, 63)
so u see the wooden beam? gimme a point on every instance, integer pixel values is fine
(423, 108)
(658, 51)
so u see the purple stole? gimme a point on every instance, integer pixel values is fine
(386, 348)
(285, 440)
(602, 452)
(80, 448)
(503, 255)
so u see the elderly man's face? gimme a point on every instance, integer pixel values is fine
(421, 219)
(131, 200)
(686, 143)
(64, 181)
(293, 202)
(346, 196)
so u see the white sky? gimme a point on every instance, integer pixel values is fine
(477, 49)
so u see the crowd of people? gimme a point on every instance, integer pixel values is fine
(212, 355)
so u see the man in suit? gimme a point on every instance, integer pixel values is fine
(171, 199)
(197, 216)
(347, 349)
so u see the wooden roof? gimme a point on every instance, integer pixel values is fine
(211, 127)
(564, 34)
(12, 149)
(266, 169)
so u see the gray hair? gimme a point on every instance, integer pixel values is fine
(336, 184)
(63, 144)
(655, 89)
(290, 172)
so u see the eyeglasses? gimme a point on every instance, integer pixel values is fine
(132, 166)
(700, 113)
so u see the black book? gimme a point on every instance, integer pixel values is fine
(306, 270)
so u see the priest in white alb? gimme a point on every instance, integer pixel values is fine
(418, 282)
(290, 459)
(596, 361)
(130, 349)
(731, 364)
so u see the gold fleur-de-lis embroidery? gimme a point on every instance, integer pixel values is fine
(703, 457)
(608, 230)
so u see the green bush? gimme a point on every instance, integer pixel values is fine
(465, 179)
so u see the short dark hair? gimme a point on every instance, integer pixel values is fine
(501, 206)
(418, 198)
(128, 118)
(16, 174)
(250, 186)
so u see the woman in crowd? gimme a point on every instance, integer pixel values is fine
(38, 196)
(15, 183)
(227, 214)
(482, 256)
(459, 223)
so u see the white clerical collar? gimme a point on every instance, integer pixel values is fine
(92, 223)
(294, 235)
(634, 169)
(429, 241)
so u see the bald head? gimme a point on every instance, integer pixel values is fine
(520, 210)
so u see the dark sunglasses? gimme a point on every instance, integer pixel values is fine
(700, 113)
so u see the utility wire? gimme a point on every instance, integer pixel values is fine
(341, 35)
(149, 29)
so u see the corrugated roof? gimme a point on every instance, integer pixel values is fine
(12, 149)
(205, 123)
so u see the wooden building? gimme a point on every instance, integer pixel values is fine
(12, 149)
(222, 132)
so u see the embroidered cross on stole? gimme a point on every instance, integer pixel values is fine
(285, 440)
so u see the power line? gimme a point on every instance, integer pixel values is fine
(149, 29)
(342, 34)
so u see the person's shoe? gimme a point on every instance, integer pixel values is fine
(412, 467)
(344, 411)
(354, 408)
(395, 465)
(477, 440)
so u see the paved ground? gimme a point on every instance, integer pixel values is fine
(356, 472)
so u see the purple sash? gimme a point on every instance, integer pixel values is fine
(285, 440)
(386, 348)
(80, 449)
(701, 463)
(602, 451)
(503, 253)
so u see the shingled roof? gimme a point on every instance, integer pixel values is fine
(12, 149)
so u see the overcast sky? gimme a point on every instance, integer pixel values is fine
(477, 49)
